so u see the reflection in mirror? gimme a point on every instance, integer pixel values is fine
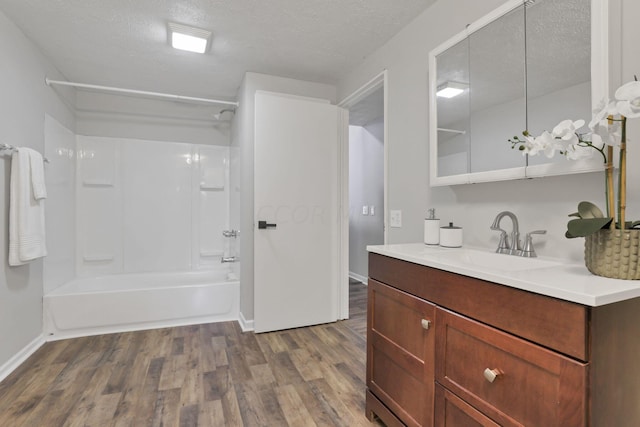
(497, 96)
(558, 74)
(452, 100)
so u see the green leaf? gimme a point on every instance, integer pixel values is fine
(585, 227)
(589, 210)
(634, 224)
(569, 235)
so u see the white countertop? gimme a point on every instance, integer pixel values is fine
(550, 277)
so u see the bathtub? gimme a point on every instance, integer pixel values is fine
(127, 302)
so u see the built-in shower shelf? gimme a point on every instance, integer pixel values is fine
(97, 257)
(208, 254)
(205, 187)
(96, 183)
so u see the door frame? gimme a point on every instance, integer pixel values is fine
(358, 95)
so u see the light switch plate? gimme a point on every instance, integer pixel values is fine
(372, 210)
(365, 210)
(395, 219)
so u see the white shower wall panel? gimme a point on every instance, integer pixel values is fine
(211, 215)
(60, 172)
(99, 193)
(156, 206)
(150, 206)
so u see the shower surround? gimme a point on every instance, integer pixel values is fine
(150, 216)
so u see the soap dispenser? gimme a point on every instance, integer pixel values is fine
(431, 228)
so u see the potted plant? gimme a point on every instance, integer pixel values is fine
(612, 244)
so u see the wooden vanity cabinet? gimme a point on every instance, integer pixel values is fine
(450, 350)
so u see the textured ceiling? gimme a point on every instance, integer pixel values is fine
(124, 42)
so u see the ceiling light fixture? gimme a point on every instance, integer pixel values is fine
(451, 89)
(188, 38)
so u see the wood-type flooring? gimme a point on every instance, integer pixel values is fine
(200, 375)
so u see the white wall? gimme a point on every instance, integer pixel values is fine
(539, 203)
(244, 139)
(24, 101)
(366, 188)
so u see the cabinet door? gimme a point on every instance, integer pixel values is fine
(400, 353)
(451, 411)
(510, 380)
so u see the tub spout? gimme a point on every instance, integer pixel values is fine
(229, 259)
(230, 233)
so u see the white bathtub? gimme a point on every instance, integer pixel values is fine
(126, 302)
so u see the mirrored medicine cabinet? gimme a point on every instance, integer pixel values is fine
(527, 65)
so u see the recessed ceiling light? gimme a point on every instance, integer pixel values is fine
(188, 38)
(451, 89)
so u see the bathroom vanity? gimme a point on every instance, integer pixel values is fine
(451, 343)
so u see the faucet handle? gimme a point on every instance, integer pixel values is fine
(528, 251)
(503, 246)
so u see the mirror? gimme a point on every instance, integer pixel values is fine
(453, 112)
(509, 80)
(497, 94)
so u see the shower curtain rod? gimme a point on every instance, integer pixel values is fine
(50, 82)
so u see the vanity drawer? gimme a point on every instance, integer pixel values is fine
(451, 411)
(401, 353)
(534, 386)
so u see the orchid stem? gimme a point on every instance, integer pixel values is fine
(609, 182)
(622, 176)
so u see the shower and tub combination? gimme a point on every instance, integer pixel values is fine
(153, 244)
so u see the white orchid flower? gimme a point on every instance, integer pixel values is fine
(566, 130)
(544, 143)
(603, 110)
(605, 134)
(628, 96)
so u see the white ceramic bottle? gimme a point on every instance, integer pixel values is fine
(431, 228)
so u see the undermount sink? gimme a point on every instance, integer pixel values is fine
(491, 260)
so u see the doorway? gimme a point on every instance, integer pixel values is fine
(366, 174)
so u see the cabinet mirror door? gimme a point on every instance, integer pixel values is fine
(527, 65)
(558, 75)
(453, 110)
(498, 92)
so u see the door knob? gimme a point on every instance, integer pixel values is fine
(425, 324)
(262, 225)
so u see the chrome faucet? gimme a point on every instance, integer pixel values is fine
(229, 259)
(512, 245)
(528, 251)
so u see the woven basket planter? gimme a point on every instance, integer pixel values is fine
(613, 253)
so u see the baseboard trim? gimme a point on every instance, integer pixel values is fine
(358, 277)
(246, 325)
(19, 358)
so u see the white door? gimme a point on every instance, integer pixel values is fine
(297, 211)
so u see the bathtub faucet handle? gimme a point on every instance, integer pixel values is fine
(229, 259)
(230, 233)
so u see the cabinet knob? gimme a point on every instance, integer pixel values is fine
(491, 374)
(425, 324)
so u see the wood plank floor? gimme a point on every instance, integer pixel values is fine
(201, 375)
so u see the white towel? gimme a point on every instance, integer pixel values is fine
(26, 212)
(37, 174)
